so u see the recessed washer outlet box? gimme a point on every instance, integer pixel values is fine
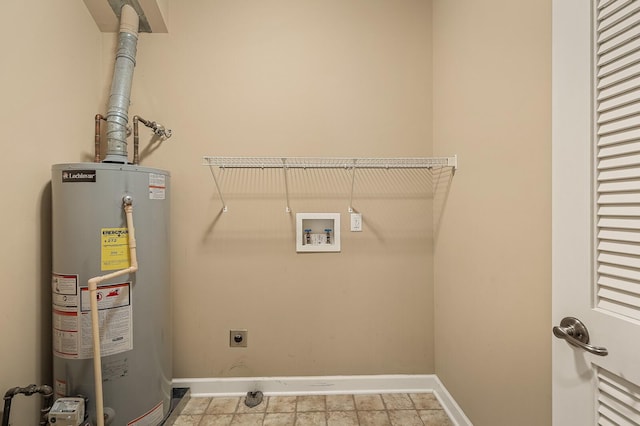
(317, 232)
(238, 338)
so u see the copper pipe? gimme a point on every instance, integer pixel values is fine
(136, 138)
(97, 138)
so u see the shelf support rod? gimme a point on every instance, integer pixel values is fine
(287, 209)
(215, 179)
(435, 190)
(353, 179)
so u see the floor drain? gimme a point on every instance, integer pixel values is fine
(253, 399)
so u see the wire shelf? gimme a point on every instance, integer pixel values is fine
(351, 164)
(330, 162)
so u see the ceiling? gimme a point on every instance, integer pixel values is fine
(152, 14)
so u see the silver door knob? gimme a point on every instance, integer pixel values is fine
(575, 333)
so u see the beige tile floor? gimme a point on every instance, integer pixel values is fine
(397, 409)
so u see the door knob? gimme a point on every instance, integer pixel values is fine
(575, 333)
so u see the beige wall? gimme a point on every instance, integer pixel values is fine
(291, 78)
(492, 91)
(50, 85)
(330, 78)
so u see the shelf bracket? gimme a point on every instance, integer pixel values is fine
(452, 162)
(215, 179)
(287, 209)
(353, 179)
(435, 190)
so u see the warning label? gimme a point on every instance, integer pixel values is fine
(65, 314)
(114, 317)
(114, 248)
(72, 333)
(157, 186)
(65, 342)
(65, 292)
(60, 388)
(114, 368)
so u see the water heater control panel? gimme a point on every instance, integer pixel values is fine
(67, 412)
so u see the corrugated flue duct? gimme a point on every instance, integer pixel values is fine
(119, 97)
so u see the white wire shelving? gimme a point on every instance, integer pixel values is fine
(351, 164)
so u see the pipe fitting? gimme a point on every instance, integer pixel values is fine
(129, 20)
(46, 392)
(12, 392)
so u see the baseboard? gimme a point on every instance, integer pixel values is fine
(327, 385)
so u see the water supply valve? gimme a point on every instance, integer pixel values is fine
(158, 129)
(161, 131)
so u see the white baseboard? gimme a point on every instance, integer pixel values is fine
(327, 385)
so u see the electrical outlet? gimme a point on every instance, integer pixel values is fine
(238, 338)
(356, 222)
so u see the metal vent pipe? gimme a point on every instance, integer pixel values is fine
(119, 97)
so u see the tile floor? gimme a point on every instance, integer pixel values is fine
(396, 409)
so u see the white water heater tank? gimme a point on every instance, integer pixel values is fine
(90, 239)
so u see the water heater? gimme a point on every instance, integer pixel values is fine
(90, 240)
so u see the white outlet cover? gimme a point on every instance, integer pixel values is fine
(356, 222)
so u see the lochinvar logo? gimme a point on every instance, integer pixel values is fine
(78, 176)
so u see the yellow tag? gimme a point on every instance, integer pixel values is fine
(115, 249)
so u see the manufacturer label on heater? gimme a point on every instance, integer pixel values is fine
(78, 176)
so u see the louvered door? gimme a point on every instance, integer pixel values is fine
(617, 145)
(596, 209)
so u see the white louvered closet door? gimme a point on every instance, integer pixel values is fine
(618, 156)
(596, 209)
